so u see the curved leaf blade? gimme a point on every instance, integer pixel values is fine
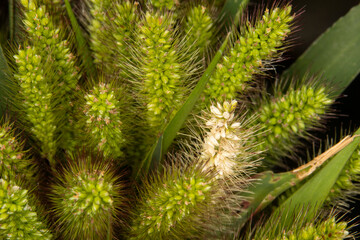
(313, 193)
(335, 54)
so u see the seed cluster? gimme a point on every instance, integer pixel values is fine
(161, 71)
(17, 218)
(224, 145)
(11, 155)
(291, 114)
(172, 204)
(36, 94)
(103, 121)
(328, 229)
(256, 45)
(199, 28)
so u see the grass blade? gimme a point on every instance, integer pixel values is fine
(335, 54)
(232, 11)
(153, 158)
(82, 45)
(313, 193)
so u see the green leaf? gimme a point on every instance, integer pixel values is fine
(82, 45)
(232, 11)
(4, 82)
(267, 187)
(314, 192)
(154, 156)
(335, 54)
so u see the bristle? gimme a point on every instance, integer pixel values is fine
(289, 115)
(87, 198)
(18, 220)
(103, 120)
(36, 94)
(255, 46)
(226, 145)
(13, 165)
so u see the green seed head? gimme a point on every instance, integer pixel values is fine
(87, 199)
(161, 70)
(199, 28)
(328, 229)
(103, 120)
(18, 220)
(173, 205)
(289, 115)
(36, 97)
(255, 46)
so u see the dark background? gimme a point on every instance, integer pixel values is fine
(316, 17)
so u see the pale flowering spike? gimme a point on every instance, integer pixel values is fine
(225, 144)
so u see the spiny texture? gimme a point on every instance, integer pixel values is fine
(98, 30)
(51, 47)
(328, 229)
(256, 45)
(347, 177)
(111, 29)
(289, 115)
(12, 163)
(56, 56)
(103, 121)
(162, 72)
(199, 28)
(86, 200)
(18, 220)
(224, 147)
(173, 205)
(36, 95)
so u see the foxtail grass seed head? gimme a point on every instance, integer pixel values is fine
(86, 199)
(18, 220)
(172, 206)
(289, 115)
(161, 70)
(47, 39)
(199, 28)
(12, 162)
(327, 229)
(103, 120)
(111, 28)
(225, 145)
(255, 46)
(36, 95)
(345, 183)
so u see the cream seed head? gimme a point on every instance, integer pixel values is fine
(224, 147)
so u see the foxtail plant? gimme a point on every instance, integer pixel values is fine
(121, 91)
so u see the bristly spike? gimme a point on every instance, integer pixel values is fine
(18, 220)
(162, 74)
(172, 205)
(103, 120)
(226, 145)
(199, 28)
(57, 63)
(12, 162)
(290, 113)
(36, 97)
(87, 198)
(111, 28)
(255, 46)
